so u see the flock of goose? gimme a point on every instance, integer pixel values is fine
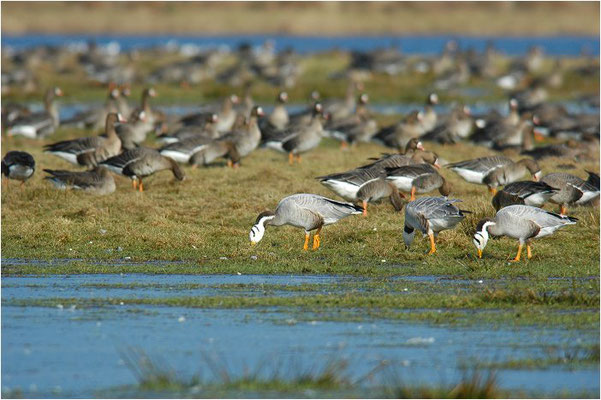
(238, 127)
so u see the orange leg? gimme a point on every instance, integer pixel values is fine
(563, 210)
(316, 239)
(290, 158)
(529, 250)
(364, 207)
(412, 193)
(298, 158)
(517, 257)
(141, 187)
(134, 184)
(432, 244)
(229, 163)
(343, 145)
(306, 245)
(21, 185)
(492, 190)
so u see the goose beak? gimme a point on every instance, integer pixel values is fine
(420, 146)
(436, 164)
(479, 253)
(536, 176)
(253, 243)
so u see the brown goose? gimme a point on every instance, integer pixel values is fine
(511, 173)
(399, 134)
(133, 132)
(379, 188)
(89, 151)
(141, 162)
(98, 181)
(279, 116)
(430, 118)
(419, 178)
(95, 118)
(208, 129)
(572, 190)
(39, 124)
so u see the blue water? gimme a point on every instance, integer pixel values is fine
(65, 351)
(553, 45)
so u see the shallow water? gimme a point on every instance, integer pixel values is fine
(552, 45)
(67, 352)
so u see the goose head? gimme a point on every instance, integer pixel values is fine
(282, 97)
(432, 99)
(481, 236)
(258, 229)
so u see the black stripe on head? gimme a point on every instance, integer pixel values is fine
(264, 214)
(481, 224)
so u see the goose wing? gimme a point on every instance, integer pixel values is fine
(330, 210)
(76, 146)
(481, 164)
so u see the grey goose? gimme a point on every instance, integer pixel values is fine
(98, 181)
(39, 124)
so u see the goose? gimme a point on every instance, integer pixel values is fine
(234, 145)
(39, 124)
(340, 109)
(279, 116)
(511, 173)
(304, 210)
(454, 127)
(359, 127)
(141, 162)
(18, 165)
(520, 222)
(89, 151)
(182, 151)
(94, 118)
(431, 215)
(225, 117)
(399, 134)
(305, 116)
(571, 149)
(123, 106)
(418, 178)
(207, 129)
(523, 192)
(572, 189)
(97, 181)
(133, 132)
(430, 118)
(300, 139)
(376, 189)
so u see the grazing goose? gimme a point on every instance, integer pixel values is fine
(98, 181)
(519, 222)
(431, 215)
(307, 211)
(39, 124)
(89, 151)
(300, 139)
(141, 162)
(18, 165)
(418, 178)
(523, 192)
(234, 145)
(376, 189)
(511, 173)
(572, 190)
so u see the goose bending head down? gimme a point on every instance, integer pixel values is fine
(307, 211)
(519, 222)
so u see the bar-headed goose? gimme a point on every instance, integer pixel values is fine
(141, 162)
(18, 165)
(519, 222)
(97, 181)
(89, 151)
(431, 215)
(572, 190)
(307, 211)
(418, 178)
(529, 193)
(39, 124)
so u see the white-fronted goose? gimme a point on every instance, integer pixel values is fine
(399, 134)
(18, 165)
(234, 145)
(340, 109)
(133, 132)
(278, 118)
(123, 106)
(418, 178)
(182, 151)
(299, 139)
(307, 211)
(208, 130)
(572, 189)
(519, 222)
(96, 117)
(89, 151)
(305, 116)
(523, 192)
(429, 117)
(511, 173)
(141, 162)
(98, 181)
(39, 124)
(456, 126)
(431, 215)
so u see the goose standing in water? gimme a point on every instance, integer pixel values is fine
(89, 151)
(307, 211)
(18, 165)
(431, 215)
(39, 124)
(98, 181)
(141, 162)
(519, 222)
(523, 192)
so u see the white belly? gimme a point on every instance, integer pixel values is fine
(469, 175)
(72, 158)
(537, 199)
(346, 190)
(402, 183)
(23, 130)
(176, 155)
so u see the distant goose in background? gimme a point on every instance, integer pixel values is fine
(123, 106)
(141, 162)
(572, 189)
(529, 193)
(305, 116)
(89, 151)
(519, 222)
(307, 211)
(399, 134)
(225, 117)
(278, 118)
(430, 118)
(358, 127)
(456, 126)
(39, 124)
(133, 132)
(431, 215)
(418, 178)
(18, 165)
(208, 130)
(340, 109)
(98, 181)
(572, 149)
(96, 117)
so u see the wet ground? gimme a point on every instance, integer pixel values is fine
(65, 351)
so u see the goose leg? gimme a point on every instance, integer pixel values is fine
(528, 250)
(316, 239)
(364, 207)
(306, 245)
(134, 184)
(343, 145)
(290, 158)
(432, 244)
(21, 185)
(229, 163)
(298, 158)
(517, 257)
(141, 186)
(412, 193)
(563, 210)
(492, 190)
